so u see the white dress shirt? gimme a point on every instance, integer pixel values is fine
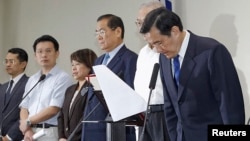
(145, 63)
(15, 80)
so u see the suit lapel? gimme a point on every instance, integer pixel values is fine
(3, 91)
(15, 91)
(70, 94)
(188, 65)
(168, 76)
(79, 96)
(99, 61)
(117, 58)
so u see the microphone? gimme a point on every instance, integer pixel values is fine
(154, 76)
(120, 75)
(151, 87)
(83, 121)
(42, 77)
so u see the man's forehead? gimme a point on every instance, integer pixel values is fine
(101, 26)
(11, 55)
(152, 37)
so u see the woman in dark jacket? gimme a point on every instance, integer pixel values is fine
(75, 96)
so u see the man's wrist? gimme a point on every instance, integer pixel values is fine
(28, 122)
(8, 137)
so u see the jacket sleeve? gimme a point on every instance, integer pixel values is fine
(14, 132)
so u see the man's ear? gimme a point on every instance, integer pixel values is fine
(174, 31)
(24, 64)
(118, 32)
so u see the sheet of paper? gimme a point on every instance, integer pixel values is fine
(121, 99)
(39, 134)
(92, 78)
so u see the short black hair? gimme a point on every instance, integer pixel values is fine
(84, 56)
(113, 22)
(46, 38)
(163, 19)
(22, 55)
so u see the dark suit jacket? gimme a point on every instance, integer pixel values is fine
(68, 121)
(209, 91)
(124, 65)
(10, 124)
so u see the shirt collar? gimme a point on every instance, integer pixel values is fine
(17, 78)
(114, 51)
(184, 45)
(53, 71)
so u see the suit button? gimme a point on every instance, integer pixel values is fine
(67, 129)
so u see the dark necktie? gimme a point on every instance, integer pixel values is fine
(8, 93)
(106, 58)
(176, 70)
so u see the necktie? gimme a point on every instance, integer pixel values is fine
(176, 70)
(8, 93)
(106, 58)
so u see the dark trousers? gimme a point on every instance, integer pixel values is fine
(155, 129)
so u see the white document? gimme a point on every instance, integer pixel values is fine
(39, 134)
(93, 80)
(121, 99)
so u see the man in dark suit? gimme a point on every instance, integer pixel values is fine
(202, 87)
(11, 94)
(120, 60)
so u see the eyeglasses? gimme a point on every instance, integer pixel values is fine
(100, 33)
(10, 61)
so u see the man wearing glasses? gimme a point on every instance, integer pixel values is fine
(119, 59)
(11, 93)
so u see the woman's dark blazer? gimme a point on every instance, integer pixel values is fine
(68, 120)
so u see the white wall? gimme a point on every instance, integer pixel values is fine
(73, 22)
(10, 25)
(1, 36)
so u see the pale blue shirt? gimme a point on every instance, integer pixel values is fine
(114, 51)
(49, 92)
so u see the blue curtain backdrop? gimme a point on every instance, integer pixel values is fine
(167, 3)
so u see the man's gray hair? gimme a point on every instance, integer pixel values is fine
(153, 4)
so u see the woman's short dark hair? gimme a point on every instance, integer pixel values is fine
(85, 56)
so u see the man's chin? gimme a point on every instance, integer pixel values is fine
(168, 56)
